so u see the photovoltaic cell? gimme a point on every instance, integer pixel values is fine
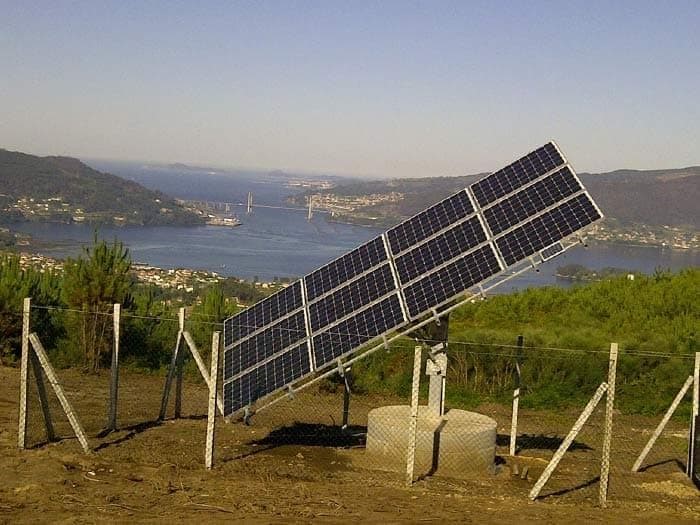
(337, 272)
(437, 287)
(357, 330)
(517, 174)
(541, 195)
(263, 313)
(352, 297)
(267, 378)
(430, 221)
(440, 249)
(551, 251)
(259, 347)
(546, 229)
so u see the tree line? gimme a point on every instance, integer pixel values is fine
(73, 308)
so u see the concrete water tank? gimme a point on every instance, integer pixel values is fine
(458, 444)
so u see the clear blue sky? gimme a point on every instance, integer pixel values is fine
(374, 88)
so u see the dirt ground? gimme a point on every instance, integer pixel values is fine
(293, 465)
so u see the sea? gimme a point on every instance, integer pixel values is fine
(274, 243)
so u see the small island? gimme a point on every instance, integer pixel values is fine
(578, 272)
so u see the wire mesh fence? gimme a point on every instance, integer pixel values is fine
(363, 419)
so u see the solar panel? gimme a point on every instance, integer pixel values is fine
(271, 376)
(437, 287)
(352, 297)
(548, 228)
(357, 330)
(344, 268)
(446, 246)
(529, 207)
(263, 313)
(517, 174)
(256, 348)
(430, 221)
(528, 202)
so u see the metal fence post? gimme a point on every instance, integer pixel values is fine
(607, 436)
(559, 454)
(24, 376)
(346, 398)
(43, 398)
(211, 412)
(662, 425)
(114, 380)
(516, 400)
(178, 368)
(53, 381)
(413, 421)
(169, 377)
(694, 413)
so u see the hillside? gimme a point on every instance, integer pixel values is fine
(653, 198)
(63, 189)
(656, 198)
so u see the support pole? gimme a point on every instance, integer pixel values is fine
(169, 378)
(516, 400)
(114, 380)
(202, 367)
(607, 436)
(559, 454)
(694, 413)
(211, 412)
(53, 381)
(43, 398)
(662, 425)
(413, 422)
(346, 399)
(178, 368)
(24, 376)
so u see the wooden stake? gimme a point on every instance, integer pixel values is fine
(662, 425)
(24, 376)
(413, 421)
(559, 454)
(607, 436)
(211, 412)
(516, 400)
(53, 381)
(114, 380)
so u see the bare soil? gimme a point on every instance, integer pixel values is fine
(293, 465)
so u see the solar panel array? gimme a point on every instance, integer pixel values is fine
(425, 262)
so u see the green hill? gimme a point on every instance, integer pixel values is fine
(63, 189)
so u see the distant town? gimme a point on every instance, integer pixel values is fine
(177, 279)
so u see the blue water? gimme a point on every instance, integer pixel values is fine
(270, 243)
(279, 243)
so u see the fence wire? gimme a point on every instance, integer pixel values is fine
(316, 433)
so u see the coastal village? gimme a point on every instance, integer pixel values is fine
(177, 279)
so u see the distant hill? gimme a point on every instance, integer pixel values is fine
(653, 197)
(63, 189)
